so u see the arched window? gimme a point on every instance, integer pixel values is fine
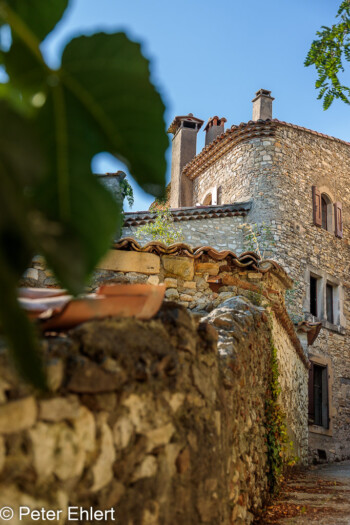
(327, 214)
(324, 212)
(208, 200)
(210, 197)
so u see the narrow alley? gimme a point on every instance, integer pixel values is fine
(320, 494)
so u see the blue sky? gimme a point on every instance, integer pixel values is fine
(209, 58)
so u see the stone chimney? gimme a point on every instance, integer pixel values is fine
(262, 105)
(215, 127)
(184, 146)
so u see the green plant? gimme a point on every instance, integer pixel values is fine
(256, 298)
(99, 100)
(162, 228)
(258, 238)
(279, 447)
(326, 54)
(127, 192)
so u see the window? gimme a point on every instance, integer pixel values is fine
(210, 197)
(324, 299)
(318, 395)
(207, 200)
(313, 295)
(329, 303)
(326, 214)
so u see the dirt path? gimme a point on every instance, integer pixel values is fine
(318, 495)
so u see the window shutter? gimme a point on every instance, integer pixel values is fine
(311, 395)
(326, 397)
(317, 208)
(338, 219)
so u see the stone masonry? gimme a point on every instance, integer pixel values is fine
(143, 415)
(277, 173)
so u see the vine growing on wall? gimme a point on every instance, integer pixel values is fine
(279, 447)
(127, 192)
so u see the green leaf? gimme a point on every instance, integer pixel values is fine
(100, 100)
(108, 79)
(18, 330)
(21, 164)
(38, 15)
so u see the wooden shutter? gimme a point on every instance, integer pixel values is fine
(311, 395)
(317, 208)
(326, 397)
(338, 219)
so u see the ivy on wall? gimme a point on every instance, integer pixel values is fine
(279, 447)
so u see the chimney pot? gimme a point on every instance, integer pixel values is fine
(262, 105)
(214, 127)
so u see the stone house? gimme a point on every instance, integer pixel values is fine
(278, 188)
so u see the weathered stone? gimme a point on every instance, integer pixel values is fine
(185, 304)
(122, 432)
(176, 401)
(89, 378)
(171, 294)
(54, 374)
(146, 469)
(125, 261)
(18, 415)
(183, 461)
(159, 436)
(186, 298)
(85, 429)
(151, 514)
(153, 279)
(31, 273)
(102, 470)
(209, 268)
(180, 266)
(59, 408)
(141, 413)
(57, 450)
(170, 282)
(190, 285)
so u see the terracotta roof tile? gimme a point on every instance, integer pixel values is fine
(190, 213)
(246, 260)
(312, 330)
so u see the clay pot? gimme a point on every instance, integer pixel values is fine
(141, 301)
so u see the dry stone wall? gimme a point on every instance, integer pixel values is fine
(222, 233)
(148, 418)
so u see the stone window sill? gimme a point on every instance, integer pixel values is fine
(315, 429)
(333, 327)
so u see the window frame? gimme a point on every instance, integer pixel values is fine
(325, 363)
(323, 279)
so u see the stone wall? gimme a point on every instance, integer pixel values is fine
(278, 173)
(144, 417)
(223, 233)
(293, 380)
